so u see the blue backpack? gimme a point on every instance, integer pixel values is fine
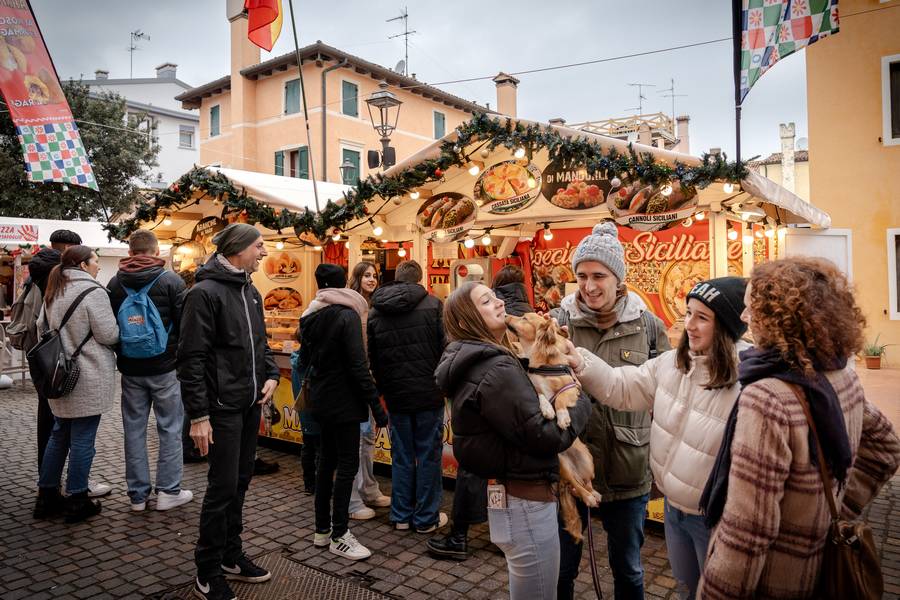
(141, 330)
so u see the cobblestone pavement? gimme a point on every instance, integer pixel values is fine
(121, 554)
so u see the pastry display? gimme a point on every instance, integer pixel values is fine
(283, 299)
(282, 266)
(578, 195)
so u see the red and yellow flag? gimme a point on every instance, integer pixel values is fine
(264, 22)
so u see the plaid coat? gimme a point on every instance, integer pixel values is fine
(769, 541)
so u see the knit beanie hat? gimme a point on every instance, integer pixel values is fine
(330, 276)
(235, 238)
(725, 297)
(603, 246)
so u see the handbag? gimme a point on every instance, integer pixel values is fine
(850, 566)
(301, 400)
(53, 372)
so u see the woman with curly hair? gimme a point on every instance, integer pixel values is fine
(765, 496)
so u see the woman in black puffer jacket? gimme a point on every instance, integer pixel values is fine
(500, 433)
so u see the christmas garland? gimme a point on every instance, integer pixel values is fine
(490, 132)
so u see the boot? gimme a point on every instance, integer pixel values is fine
(264, 467)
(79, 507)
(50, 503)
(455, 546)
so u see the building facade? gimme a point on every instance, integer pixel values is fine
(853, 81)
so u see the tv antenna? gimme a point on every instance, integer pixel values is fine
(641, 96)
(136, 35)
(404, 16)
(670, 93)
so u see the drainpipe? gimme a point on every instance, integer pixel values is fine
(325, 72)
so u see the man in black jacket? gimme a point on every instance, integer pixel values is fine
(406, 339)
(150, 382)
(227, 372)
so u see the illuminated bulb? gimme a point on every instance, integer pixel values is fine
(347, 244)
(317, 248)
(666, 190)
(167, 221)
(700, 216)
(519, 153)
(474, 169)
(479, 201)
(279, 245)
(532, 182)
(336, 237)
(758, 233)
(728, 188)
(469, 243)
(440, 234)
(384, 241)
(615, 182)
(401, 252)
(770, 233)
(688, 222)
(548, 235)
(748, 239)
(486, 240)
(732, 235)
(378, 230)
(414, 195)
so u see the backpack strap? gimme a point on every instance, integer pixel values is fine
(652, 332)
(144, 289)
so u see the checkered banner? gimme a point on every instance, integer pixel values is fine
(773, 29)
(54, 152)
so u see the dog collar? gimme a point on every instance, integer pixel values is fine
(551, 370)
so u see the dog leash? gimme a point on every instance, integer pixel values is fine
(593, 558)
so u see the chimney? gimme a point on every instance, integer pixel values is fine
(506, 94)
(166, 71)
(644, 135)
(681, 133)
(787, 155)
(244, 53)
(559, 121)
(715, 151)
(101, 74)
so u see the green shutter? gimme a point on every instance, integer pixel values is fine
(440, 128)
(349, 94)
(303, 159)
(292, 97)
(279, 163)
(353, 157)
(214, 120)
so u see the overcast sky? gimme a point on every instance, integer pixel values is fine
(468, 38)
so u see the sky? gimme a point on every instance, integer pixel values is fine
(466, 39)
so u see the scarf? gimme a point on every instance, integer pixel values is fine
(824, 405)
(607, 318)
(140, 262)
(345, 297)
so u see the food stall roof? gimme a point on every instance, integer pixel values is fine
(277, 191)
(91, 232)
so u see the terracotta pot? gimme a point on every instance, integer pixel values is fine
(873, 362)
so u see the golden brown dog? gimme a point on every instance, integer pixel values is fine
(543, 343)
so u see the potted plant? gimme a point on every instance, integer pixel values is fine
(873, 353)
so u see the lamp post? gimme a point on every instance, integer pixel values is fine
(348, 170)
(384, 111)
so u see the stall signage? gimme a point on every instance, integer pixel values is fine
(18, 234)
(508, 187)
(446, 217)
(206, 228)
(648, 208)
(573, 188)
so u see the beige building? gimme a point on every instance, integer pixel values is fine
(788, 168)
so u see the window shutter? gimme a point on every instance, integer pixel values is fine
(349, 94)
(440, 128)
(292, 97)
(279, 163)
(303, 159)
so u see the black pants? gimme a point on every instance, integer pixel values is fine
(469, 501)
(230, 470)
(309, 462)
(340, 452)
(44, 427)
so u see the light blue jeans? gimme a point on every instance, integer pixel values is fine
(163, 394)
(365, 486)
(75, 438)
(687, 539)
(527, 533)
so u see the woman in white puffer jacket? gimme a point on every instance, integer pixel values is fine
(691, 391)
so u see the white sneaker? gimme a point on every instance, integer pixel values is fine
(381, 501)
(166, 501)
(348, 547)
(320, 540)
(95, 489)
(363, 514)
(138, 506)
(401, 526)
(442, 521)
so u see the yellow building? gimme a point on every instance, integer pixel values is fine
(853, 93)
(252, 119)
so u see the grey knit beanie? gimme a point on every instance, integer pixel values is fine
(603, 246)
(235, 238)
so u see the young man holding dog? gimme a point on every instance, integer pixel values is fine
(616, 325)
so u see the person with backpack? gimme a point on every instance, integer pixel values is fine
(147, 301)
(77, 309)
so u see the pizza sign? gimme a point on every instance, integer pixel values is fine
(508, 186)
(19, 234)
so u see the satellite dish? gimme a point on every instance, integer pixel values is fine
(401, 67)
(803, 144)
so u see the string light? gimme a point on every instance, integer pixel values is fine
(469, 243)
(336, 237)
(376, 229)
(414, 195)
(548, 235)
(728, 188)
(486, 239)
(758, 233)
(402, 251)
(347, 244)
(700, 216)
(770, 232)
(317, 248)
(279, 245)
(167, 221)
(732, 233)
(440, 234)
(519, 153)
(475, 167)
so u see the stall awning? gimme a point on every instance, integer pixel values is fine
(14, 232)
(278, 191)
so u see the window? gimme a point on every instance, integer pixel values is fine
(890, 99)
(893, 247)
(186, 136)
(214, 121)
(440, 125)
(353, 157)
(349, 99)
(279, 163)
(292, 97)
(300, 163)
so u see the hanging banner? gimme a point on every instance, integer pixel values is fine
(574, 188)
(44, 123)
(18, 234)
(446, 217)
(647, 208)
(508, 187)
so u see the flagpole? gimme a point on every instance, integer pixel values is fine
(312, 163)
(737, 28)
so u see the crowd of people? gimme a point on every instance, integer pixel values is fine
(718, 422)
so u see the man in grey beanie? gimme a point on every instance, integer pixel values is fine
(616, 325)
(227, 372)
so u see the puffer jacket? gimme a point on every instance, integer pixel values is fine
(515, 297)
(498, 429)
(688, 419)
(223, 355)
(95, 392)
(619, 441)
(406, 339)
(41, 264)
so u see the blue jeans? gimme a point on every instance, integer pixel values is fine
(416, 451)
(75, 438)
(623, 521)
(527, 533)
(139, 394)
(687, 539)
(365, 486)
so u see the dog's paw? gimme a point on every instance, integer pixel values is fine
(597, 496)
(546, 407)
(563, 419)
(592, 500)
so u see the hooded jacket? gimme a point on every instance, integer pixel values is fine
(406, 338)
(498, 429)
(515, 297)
(223, 356)
(168, 296)
(41, 264)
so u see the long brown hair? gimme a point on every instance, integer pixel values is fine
(462, 321)
(71, 259)
(356, 276)
(723, 370)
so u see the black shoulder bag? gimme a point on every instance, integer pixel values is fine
(652, 331)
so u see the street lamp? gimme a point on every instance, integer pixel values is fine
(384, 111)
(348, 170)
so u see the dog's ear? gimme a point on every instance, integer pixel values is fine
(546, 333)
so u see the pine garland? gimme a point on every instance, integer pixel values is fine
(491, 132)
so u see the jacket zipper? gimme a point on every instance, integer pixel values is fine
(252, 347)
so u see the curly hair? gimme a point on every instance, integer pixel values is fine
(805, 308)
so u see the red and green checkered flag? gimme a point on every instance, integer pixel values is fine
(772, 29)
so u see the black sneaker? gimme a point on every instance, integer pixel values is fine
(243, 569)
(50, 503)
(80, 507)
(214, 589)
(453, 546)
(264, 467)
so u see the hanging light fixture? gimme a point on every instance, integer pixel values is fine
(548, 234)
(728, 188)
(414, 194)
(732, 233)
(279, 245)
(336, 236)
(758, 233)
(384, 111)
(402, 251)
(469, 243)
(475, 167)
(347, 244)
(519, 153)
(770, 232)
(486, 239)
(700, 216)
(377, 229)
(167, 220)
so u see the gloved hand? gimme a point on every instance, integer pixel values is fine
(380, 415)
